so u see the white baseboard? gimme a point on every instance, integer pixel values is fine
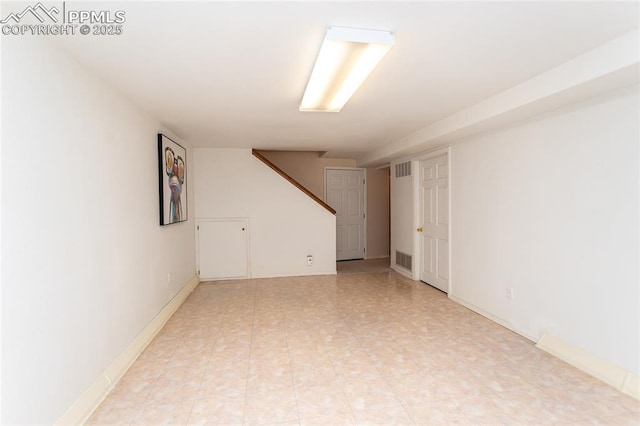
(402, 271)
(84, 406)
(376, 257)
(498, 320)
(202, 280)
(618, 377)
(309, 274)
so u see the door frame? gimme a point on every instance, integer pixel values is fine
(324, 197)
(416, 211)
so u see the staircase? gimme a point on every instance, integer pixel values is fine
(292, 180)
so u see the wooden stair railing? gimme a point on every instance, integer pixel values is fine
(291, 180)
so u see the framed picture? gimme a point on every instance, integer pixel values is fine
(172, 166)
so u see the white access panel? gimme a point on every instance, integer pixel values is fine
(223, 248)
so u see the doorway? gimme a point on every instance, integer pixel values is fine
(345, 193)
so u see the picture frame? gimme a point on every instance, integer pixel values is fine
(172, 172)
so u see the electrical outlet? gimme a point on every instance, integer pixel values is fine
(169, 278)
(309, 260)
(510, 293)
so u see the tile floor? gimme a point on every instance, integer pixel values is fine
(360, 266)
(360, 348)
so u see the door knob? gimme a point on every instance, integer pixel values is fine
(419, 229)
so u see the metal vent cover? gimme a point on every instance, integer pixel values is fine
(403, 259)
(403, 169)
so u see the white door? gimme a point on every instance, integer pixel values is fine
(434, 214)
(222, 249)
(345, 193)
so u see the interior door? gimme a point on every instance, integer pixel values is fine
(223, 249)
(434, 213)
(345, 193)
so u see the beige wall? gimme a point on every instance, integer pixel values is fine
(307, 167)
(377, 213)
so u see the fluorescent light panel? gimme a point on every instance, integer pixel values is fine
(346, 59)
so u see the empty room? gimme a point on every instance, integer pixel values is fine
(291, 213)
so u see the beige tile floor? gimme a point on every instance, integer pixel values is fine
(361, 266)
(359, 348)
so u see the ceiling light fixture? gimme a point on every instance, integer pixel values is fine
(346, 58)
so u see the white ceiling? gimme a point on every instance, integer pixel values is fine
(231, 74)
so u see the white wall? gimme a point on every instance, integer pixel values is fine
(85, 262)
(550, 208)
(285, 224)
(402, 217)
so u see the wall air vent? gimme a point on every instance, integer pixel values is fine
(403, 259)
(403, 169)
